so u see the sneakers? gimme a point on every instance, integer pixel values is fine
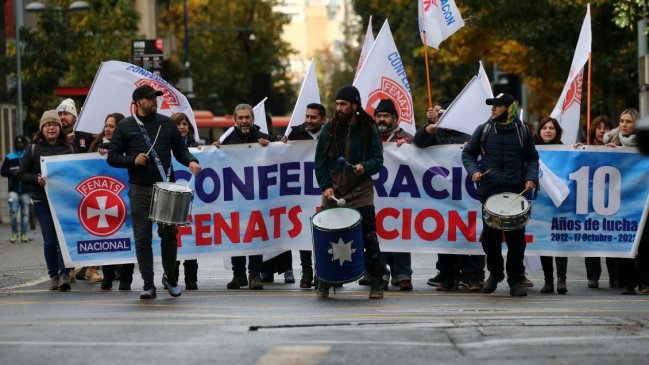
(435, 280)
(255, 282)
(14, 237)
(491, 283)
(288, 277)
(191, 286)
(64, 283)
(172, 287)
(376, 288)
(447, 285)
(405, 284)
(92, 275)
(593, 284)
(517, 290)
(267, 277)
(548, 287)
(307, 277)
(24, 238)
(54, 283)
(527, 282)
(473, 284)
(561, 286)
(365, 280)
(148, 293)
(237, 282)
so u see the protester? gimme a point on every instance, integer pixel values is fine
(68, 114)
(598, 127)
(131, 147)
(353, 135)
(452, 268)
(549, 132)
(245, 131)
(624, 134)
(509, 163)
(49, 141)
(19, 192)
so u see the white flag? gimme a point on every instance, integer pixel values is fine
(469, 109)
(439, 19)
(568, 107)
(309, 93)
(556, 188)
(367, 45)
(259, 113)
(383, 76)
(112, 90)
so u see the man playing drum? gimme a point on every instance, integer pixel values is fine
(143, 144)
(509, 164)
(348, 153)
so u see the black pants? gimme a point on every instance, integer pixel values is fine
(279, 263)
(191, 271)
(548, 270)
(460, 267)
(125, 273)
(492, 245)
(635, 272)
(594, 268)
(255, 263)
(371, 242)
(305, 258)
(140, 199)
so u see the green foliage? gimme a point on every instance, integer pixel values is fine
(627, 13)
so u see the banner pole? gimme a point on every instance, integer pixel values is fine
(430, 98)
(588, 101)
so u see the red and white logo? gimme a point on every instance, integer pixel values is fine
(429, 3)
(398, 94)
(169, 98)
(573, 95)
(102, 210)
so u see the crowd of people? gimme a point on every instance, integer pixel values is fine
(500, 157)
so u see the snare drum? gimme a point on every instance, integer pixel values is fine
(171, 203)
(506, 211)
(338, 245)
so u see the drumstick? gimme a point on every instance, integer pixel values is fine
(190, 181)
(521, 194)
(154, 141)
(340, 201)
(484, 173)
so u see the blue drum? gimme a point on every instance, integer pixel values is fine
(338, 245)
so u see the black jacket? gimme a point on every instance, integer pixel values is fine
(30, 166)
(82, 141)
(128, 142)
(11, 162)
(439, 136)
(236, 137)
(300, 133)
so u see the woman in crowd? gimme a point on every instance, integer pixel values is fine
(49, 141)
(549, 132)
(186, 130)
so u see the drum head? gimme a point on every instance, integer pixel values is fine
(173, 187)
(507, 204)
(336, 218)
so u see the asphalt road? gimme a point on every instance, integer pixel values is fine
(284, 324)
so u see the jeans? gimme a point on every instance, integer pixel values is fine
(492, 246)
(562, 265)
(400, 264)
(19, 201)
(51, 248)
(594, 268)
(140, 199)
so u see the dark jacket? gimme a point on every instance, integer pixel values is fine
(12, 162)
(439, 136)
(395, 135)
(236, 137)
(510, 157)
(128, 142)
(30, 166)
(82, 141)
(300, 133)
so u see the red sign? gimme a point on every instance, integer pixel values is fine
(102, 210)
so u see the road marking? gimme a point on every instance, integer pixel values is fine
(293, 355)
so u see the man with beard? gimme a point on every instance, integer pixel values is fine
(245, 131)
(503, 147)
(143, 144)
(68, 114)
(352, 134)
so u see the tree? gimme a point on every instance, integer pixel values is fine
(224, 57)
(3, 50)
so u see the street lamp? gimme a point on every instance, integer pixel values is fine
(37, 6)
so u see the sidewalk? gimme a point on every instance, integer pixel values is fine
(20, 262)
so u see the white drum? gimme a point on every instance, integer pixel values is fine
(171, 203)
(506, 211)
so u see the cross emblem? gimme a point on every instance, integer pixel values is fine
(102, 212)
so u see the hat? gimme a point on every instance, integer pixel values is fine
(50, 116)
(349, 93)
(501, 99)
(67, 105)
(385, 106)
(20, 139)
(145, 91)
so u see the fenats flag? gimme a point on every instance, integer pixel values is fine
(383, 76)
(309, 93)
(568, 107)
(469, 109)
(111, 92)
(259, 114)
(367, 45)
(439, 19)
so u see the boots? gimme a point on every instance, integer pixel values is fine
(238, 281)
(561, 286)
(549, 286)
(255, 281)
(307, 277)
(92, 275)
(376, 288)
(322, 289)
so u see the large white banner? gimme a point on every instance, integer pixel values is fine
(439, 20)
(383, 76)
(309, 93)
(365, 50)
(568, 107)
(112, 90)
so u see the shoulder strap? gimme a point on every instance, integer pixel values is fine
(483, 137)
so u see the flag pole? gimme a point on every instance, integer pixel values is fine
(588, 101)
(430, 98)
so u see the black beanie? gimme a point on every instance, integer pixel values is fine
(349, 93)
(385, 106)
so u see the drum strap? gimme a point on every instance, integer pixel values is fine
(149, 145)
